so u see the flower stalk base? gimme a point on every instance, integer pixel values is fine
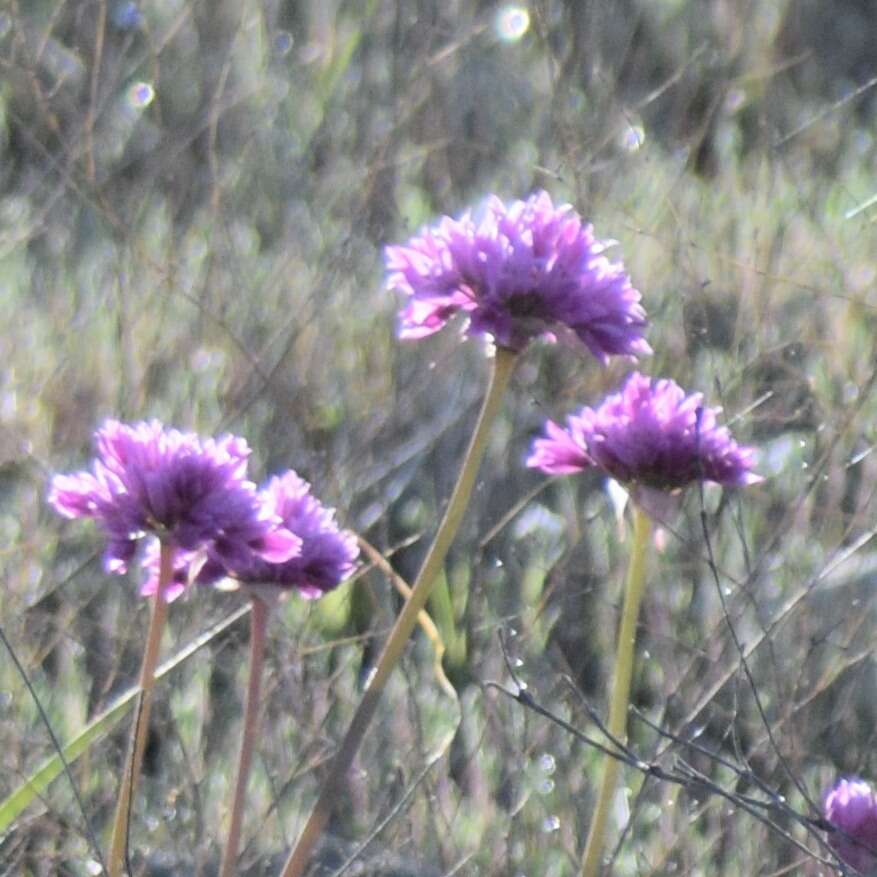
(503, 366)
(258, 624)
(134, 761)
(620, 698)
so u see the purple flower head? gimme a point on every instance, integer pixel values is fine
(851, 807)
(521, 271)
(188, 491)
(650, 435)
(327, 556)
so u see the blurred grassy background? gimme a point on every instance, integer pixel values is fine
(194, 197)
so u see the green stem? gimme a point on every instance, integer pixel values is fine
(134, 761)
(620, 699)
(503, 365)
(258, 625)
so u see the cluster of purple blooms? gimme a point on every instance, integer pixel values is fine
(530, 270)
(515, 272)
(193, 494)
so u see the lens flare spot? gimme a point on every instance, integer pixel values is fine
(550, 824)
(632, 138)
(283, 42)
(140, 95)
(512, 22)
(547, 763)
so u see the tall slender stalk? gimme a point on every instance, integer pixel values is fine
(620, 698)
(134, 761)
(258, 625)
(503, 365)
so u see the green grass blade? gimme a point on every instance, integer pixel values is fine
(98, 727)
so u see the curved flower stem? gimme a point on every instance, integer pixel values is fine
(503, 365)
(134, 761)
(258, 625)
(620, 698)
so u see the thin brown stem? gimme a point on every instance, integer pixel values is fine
(258, 626)
(134, 762)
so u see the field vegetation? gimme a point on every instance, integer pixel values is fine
(194, 201)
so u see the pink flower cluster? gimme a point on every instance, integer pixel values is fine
(649, 434)
(193, 493)
(518, 272)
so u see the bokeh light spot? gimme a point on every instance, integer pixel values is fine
(512, 22)
(140, 95)
(550, 824)
(632, 138)
(282, 43)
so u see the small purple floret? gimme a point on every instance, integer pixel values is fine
(851, 807)
(189, 491)
(521, 271)
(328, 554)
(182, 570)
(651, 435)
